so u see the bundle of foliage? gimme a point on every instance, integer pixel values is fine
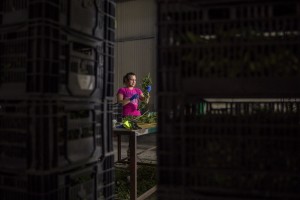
(131, 122)
(148, 117)
(146, 82)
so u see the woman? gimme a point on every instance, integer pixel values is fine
(129, 96)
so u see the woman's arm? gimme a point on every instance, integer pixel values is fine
(143, 98)
(120, 99)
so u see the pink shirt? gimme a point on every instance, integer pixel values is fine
(132, 107)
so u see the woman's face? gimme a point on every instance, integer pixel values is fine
(131, 82)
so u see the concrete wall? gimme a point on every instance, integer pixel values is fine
(135, 47)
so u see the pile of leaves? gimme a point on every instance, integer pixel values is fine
(133, 121)
(148, 117)
(146, 82)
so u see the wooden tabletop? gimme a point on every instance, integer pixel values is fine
(146, 129)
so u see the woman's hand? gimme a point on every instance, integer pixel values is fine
(135, 96)
(148, 88)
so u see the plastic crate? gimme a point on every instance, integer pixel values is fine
(109, 31)
(43, 59)
(107, 178)
(107, 126)
(117, 112)
(109, 20)
(108, 69)
(84, 17)
(229, 149)
(229, 48)
(48, 134)
(81, 183)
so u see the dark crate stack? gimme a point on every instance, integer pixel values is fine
(239, 48)
(229, 150)
(109, 34)
(228, 102)
(62, 48)
(45, 135)
(56, 83)
(92, 182)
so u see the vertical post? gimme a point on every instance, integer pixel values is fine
(133, 166)
(119, 147)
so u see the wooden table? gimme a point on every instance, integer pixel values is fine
(133, 134)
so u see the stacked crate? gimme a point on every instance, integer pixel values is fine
(228, 73)
(55, 100)
(231, 46)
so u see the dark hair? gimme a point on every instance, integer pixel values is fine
(126, 77)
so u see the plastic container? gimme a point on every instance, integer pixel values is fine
(117, 112)
(42, 59)
(49, 134)
(229, 149)
(107, 125)
(109, 69)
(109, 31)
(229, 48)
(87, 182)
(109, 20)
(84, 17)
(108, 177)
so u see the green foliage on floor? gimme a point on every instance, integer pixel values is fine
(146, 179)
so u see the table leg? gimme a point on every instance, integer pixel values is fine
(133, 166)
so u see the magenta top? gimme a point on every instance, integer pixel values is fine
(132, 107)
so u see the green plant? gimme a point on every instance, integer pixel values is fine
(146, 179)
(132, 121)
(146, 81)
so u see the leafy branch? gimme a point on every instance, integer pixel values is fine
(146, 82)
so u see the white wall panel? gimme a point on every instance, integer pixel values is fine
(135, 19)
(135, 47)
(137, 56)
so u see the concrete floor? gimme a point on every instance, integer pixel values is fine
(143, 143)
